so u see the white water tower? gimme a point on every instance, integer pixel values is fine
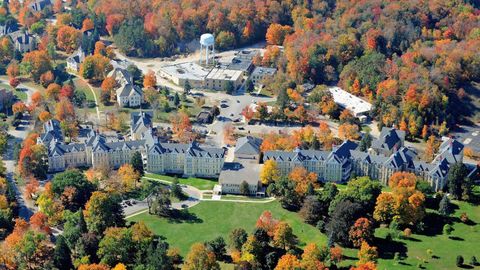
(207, 48)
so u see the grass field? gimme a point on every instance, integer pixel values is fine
(211, 219)
(200, 183)
(464, 240)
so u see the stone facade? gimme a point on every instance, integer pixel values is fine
(175, 158)
(345, 161)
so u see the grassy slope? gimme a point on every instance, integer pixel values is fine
(219, 218)
(465, 242)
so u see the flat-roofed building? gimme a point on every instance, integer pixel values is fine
(218, 78)
(180, 73)
(344, 99)
(234, 174)
(261, 73)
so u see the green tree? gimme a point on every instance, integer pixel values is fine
(455, 179)
(187, 87)
(132, 40)
(225, 40)
(244, 190)
(229, 87)
(103, 210)
(137, 163)
(444, 207)
(249, 87)
(365, 142)
(61, 254)
(217, 246)
(237, 238)
(176, 100)
(160, 204)
(176, 189)
(116, 246)
(76, 179)
(447, 229)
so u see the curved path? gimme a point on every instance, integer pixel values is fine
(93, 92)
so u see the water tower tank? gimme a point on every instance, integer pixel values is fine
(207, 40)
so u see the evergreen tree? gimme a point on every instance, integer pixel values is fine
(444, 207)
(249, 87)
(244, 190)
(455, 178)
(61, 255)
(229, 87)
(365, 142)
(81, 223)
(187, 87)
(137, 163)
(176, 189)
(176, 100)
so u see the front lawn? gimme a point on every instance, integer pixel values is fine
(208, 220)
(200, 183)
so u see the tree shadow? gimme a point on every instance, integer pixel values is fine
(466, 266)
(387, 249)
(434, 224)
(456, 238)
(412, 239)
(183, 216)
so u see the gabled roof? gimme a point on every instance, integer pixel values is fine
(141, 119)
(388, 138)
(128, 90)
(119, 73)
(298, 155)
(451, 150)
(248, 145)
(402, 158)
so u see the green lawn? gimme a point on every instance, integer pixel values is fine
(200, 183)
(21, 95)
(464, 240)
(211, 219)
(83, 87)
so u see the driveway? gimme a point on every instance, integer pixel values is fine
(194, 196)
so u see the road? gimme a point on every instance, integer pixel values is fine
(194, 196)
(17, 135)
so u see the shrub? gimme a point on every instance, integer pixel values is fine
(473, 261)
(464, 217)
(459, 261)
(447, 229)
(407, 232)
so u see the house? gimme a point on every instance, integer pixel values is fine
(389, 141)
(261, 73)
(75, 60)
(234, 174)
(248, 149)
(39, 5)
(129, 95)
(23, 41)
(121, 76)
(205, 117)
(140, 123)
